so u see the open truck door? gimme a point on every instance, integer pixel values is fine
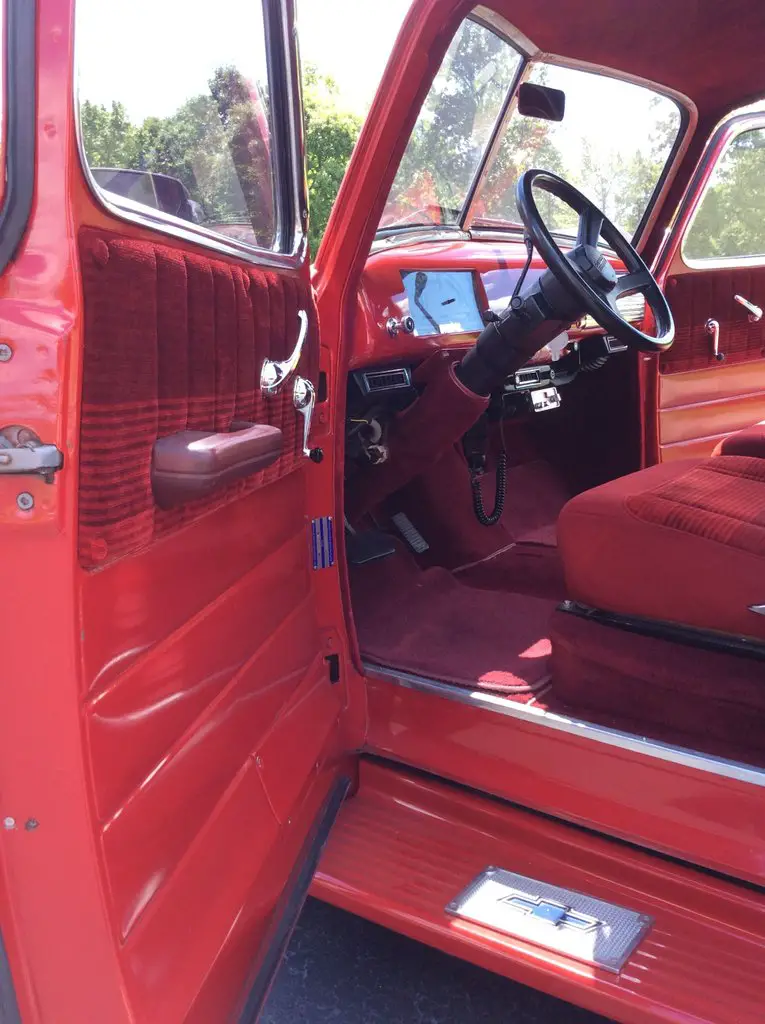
(174, 675)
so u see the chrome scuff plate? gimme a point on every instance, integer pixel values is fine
(567, 922)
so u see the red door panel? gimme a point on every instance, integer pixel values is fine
(701, 407)
(698, 295)
(126, 616)
(176, 713)
(704, 396)
(144, 712)
(703, 400)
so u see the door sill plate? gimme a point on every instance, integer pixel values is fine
(587, 929)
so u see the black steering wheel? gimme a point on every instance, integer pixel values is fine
(585, 273)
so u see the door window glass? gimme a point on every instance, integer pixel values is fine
(175, 112)
(730, 220)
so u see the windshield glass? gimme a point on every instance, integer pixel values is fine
(612, 143)
(454, 128)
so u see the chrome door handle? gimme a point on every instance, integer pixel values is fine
(304, 400)
(274, 374)
(755, 313)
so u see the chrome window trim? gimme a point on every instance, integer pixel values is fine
(684, 756)
(398, 241)
(198, 234)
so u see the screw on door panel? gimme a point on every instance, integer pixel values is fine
(9, 823)
(6, 353)
(25, 501)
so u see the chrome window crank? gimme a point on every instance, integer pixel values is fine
(274, 374)
(712, 327)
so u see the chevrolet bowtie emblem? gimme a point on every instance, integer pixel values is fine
(553, 913)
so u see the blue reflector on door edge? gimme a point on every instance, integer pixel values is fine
(323, 543)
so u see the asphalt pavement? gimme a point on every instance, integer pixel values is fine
(340, 969)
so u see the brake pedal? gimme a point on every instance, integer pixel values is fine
(368, 546)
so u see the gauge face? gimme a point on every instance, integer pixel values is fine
(442, 301)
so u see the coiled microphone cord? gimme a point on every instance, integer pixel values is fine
(493, 517)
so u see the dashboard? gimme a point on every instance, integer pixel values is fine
(419, 297)
(429, 296)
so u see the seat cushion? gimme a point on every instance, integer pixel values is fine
(682, 542)
(749, 442)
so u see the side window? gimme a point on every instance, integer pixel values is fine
(730, 220)
(175, 113)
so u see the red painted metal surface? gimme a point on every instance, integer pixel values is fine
(405, 846)
(382, 286)
(698, 816)
(168, 731)
(382, 290)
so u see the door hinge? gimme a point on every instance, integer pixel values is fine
(23, 453)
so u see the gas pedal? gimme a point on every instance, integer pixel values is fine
(410, 533)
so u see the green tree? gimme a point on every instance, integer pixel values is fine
(110, 140)
(636, 177)
(218, 145)
(527, 142)
(730, 219)
(330, 135)
(454, 127)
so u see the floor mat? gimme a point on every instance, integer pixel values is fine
(440, 506)
(533, 569)
(430, 624)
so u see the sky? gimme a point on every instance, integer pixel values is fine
(334, 35)
(349, 40)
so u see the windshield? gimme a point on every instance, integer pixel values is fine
(454, 128)
(612, 143)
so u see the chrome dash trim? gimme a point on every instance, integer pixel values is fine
(684, 756)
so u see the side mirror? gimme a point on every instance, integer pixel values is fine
(541, 101)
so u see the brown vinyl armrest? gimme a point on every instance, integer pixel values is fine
(194, 463)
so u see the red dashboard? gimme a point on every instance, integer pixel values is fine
(495, 265)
